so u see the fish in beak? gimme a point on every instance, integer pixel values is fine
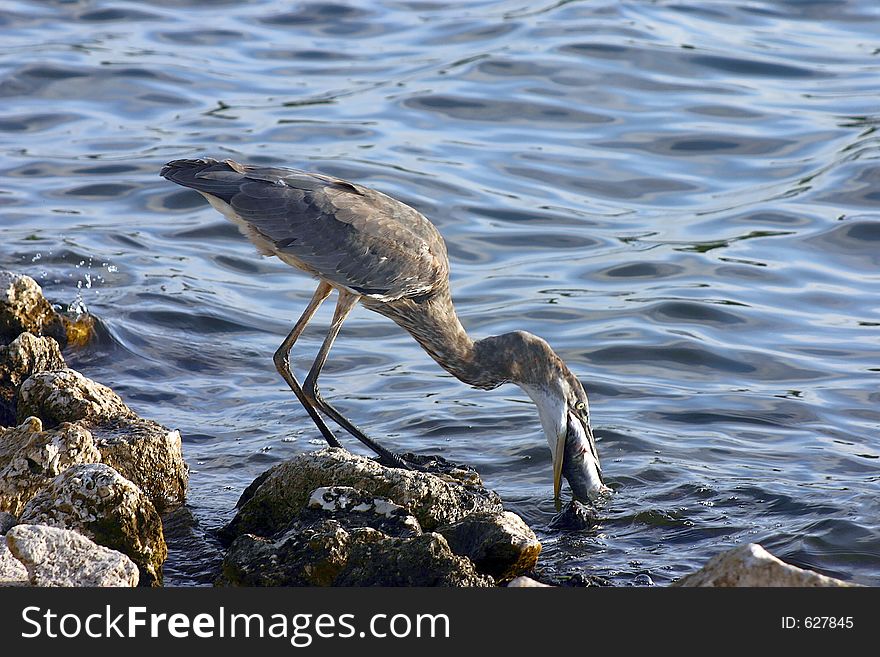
(565, 417)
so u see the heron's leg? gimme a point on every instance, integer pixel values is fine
(282, 361)
(344, 304)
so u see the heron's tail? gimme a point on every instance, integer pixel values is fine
(206, 175)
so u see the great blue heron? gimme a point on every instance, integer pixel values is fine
(378, 251)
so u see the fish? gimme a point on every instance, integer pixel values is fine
(580, 462)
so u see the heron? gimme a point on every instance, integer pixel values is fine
(377, 251)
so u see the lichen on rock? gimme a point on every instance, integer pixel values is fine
(333, 518)
(286, 488)
(97, 501)
(143, 451)
(51, 556)
(30, 458)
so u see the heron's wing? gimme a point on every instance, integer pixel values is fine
(347, 234)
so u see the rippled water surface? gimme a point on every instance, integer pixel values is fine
(681, 197)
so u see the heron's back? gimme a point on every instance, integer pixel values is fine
(351, 236)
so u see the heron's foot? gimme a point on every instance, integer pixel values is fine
(394, 460)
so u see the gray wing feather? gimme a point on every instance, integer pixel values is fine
(347, 234)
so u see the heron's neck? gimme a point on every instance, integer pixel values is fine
(433, 322)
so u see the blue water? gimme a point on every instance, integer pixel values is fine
(682, 197)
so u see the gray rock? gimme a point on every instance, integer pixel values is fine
(97, 501)
(424, 560)
(24, 356)
(68, 396)
(143, 451)
(523, 582)
(12, 571)
(752, 565)
(499, 544)
(327, 554)
(279, 495)
(24, 308)
(30, 458)
(335, 518)
(7, 521)
(61, 557)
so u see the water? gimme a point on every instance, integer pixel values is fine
(681, 197)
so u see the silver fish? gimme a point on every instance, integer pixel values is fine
(580, 461)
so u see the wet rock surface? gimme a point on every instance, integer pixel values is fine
(575, 516)
(332, 518)
(23, 308)
(752, 565)
(95, 500)
(499, 544)
(324, 553)
(50, 556)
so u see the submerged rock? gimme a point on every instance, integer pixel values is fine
(24, 356)
(499, 544)
(30, 458)
(143, 451)
(23, 308)
(278, 495)
(51, 556)
(576, 516)
(752, 565)
(97, 501)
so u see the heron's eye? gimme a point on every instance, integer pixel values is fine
(581, 406)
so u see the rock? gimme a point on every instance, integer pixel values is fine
(24, 356)
(326, 554)
(7, 522)
(24, 308)
(424, 560)
(12, 571)
(576, 516)
(332, 518)
(61, 557)
(68, 396)
(357, 508)
(143, 451)
(97, 501)
(523, 582)
(30, 458)
(752, 565)
(279, 495)
(499, 544)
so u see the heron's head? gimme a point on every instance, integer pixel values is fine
(564, 411)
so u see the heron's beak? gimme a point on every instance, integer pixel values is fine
(558, 459)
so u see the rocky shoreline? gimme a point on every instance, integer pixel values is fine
(84, 482)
